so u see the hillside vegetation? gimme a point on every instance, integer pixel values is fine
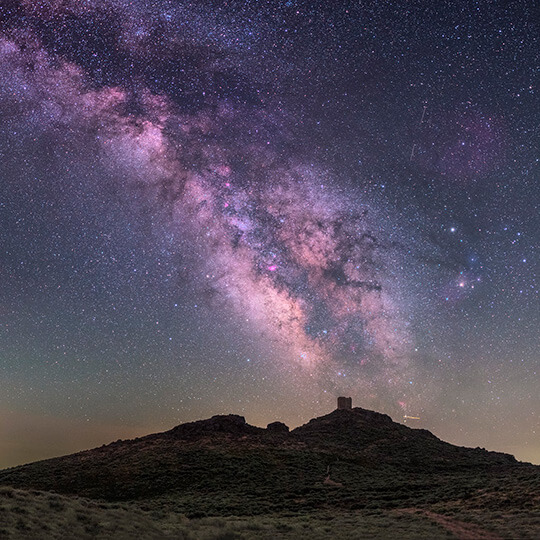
(350, 466)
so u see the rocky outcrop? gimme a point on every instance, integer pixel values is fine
(231, 424)
(277, 427)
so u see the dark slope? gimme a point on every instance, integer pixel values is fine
(224, 465)
(379, 440)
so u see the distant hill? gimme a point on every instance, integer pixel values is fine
(355, 468)
(376, 439)
(364, 455)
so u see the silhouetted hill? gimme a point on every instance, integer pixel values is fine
(376, 438)
(348, 459)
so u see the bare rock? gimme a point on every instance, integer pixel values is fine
(277, 427)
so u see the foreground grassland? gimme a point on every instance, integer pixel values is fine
(34, 514)
(37, 514)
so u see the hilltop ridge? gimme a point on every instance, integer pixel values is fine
(350, 460)
(366, 439)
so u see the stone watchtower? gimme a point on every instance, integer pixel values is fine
(344, 403)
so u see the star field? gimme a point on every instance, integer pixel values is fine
(254, 207)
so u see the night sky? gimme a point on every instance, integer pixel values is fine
(254, 207)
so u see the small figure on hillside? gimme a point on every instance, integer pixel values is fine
(328, 481)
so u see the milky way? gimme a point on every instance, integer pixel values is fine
(195, 192)
(295, 258)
